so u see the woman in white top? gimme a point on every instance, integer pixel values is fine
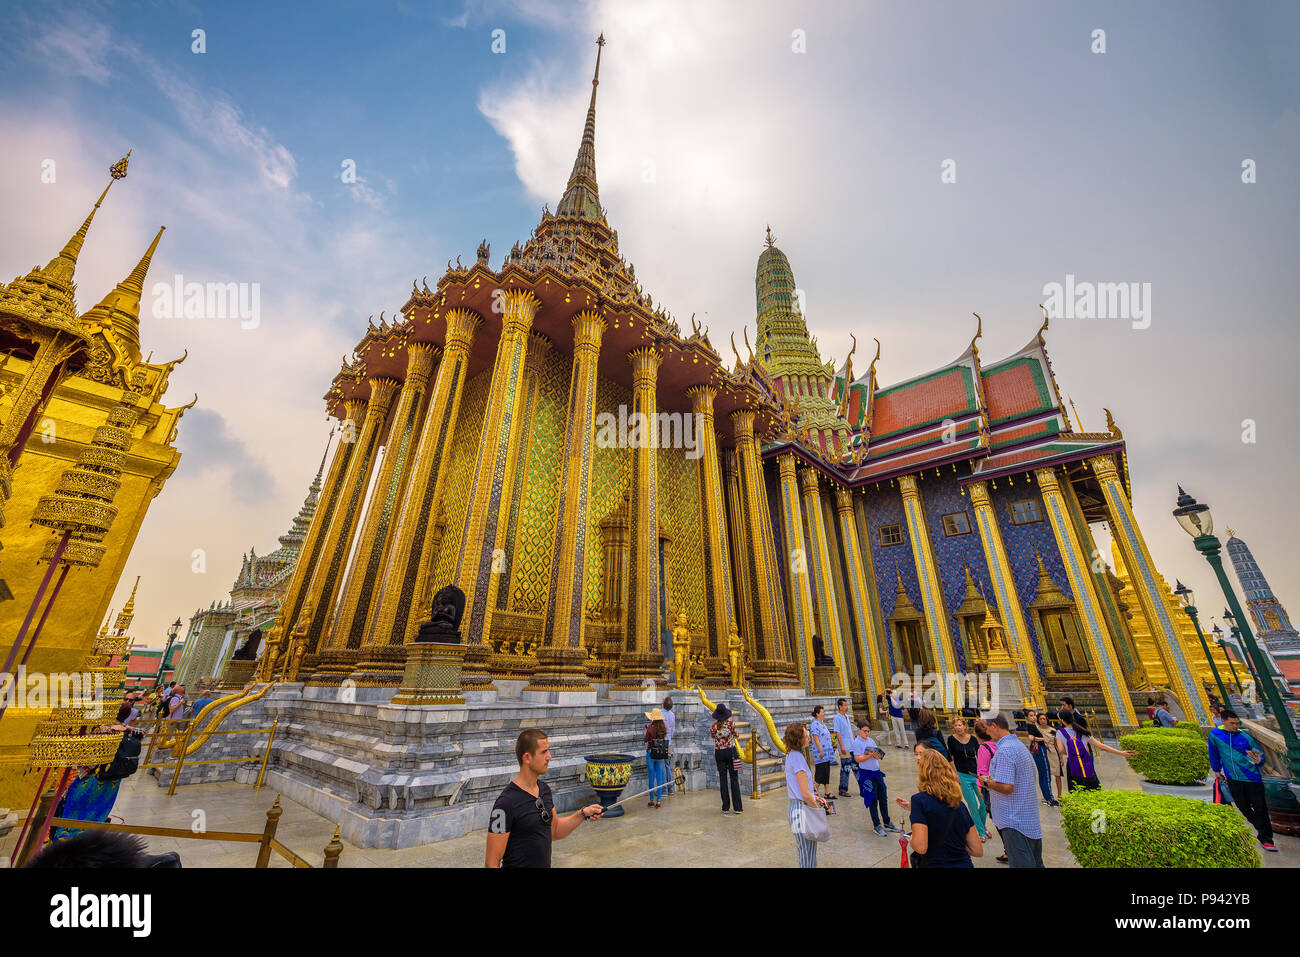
(798, 788)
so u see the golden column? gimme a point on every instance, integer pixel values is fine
(400, 607)
(1133, 547)
(539, 347)
(478, 565)
(1004, 590)
(323, 590)
(818, 561)
(873, 670)
(744, 602)
(718, 600)
(642, 656)
(774, 661)
(348, 627)
(310, 554)
(560, 659)
(1078, 571)
(927, 576)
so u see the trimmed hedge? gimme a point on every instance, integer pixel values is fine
(1132, 829)
(1168, 756)
(1183, 728)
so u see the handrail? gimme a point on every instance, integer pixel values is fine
(171, 742)
(193, 744)
(767, 720)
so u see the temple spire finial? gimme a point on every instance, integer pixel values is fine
(582, 195)
(769, 242)
(72, 248)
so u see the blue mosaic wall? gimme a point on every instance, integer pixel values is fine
(884, 506)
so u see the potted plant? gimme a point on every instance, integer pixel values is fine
(1170, 761)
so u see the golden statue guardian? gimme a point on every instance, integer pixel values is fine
(735, 656)
(682, 649)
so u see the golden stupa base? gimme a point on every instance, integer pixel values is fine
(774, 673)
(236, 675)
(432, 675)
(335, 666)
(560, 678)
(381, 666)
(475, 675)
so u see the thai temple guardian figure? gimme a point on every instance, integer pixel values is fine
(682, 649)
(298, 641)
(735, 656)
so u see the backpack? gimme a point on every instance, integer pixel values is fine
(659, 749)
(125, 761)
(1078, 756)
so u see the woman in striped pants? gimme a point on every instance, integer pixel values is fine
(798, 788)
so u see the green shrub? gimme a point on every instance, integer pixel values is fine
(1167, 756)
(1133, 829)
(1187, 728)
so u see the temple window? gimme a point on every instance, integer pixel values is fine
(1025, 511)
(891, 535)
(956, 523)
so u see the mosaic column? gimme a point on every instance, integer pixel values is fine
(539, 346)
(399, 608)
(1141, 569)
(740, 554)
(872, 670)
(799, 586)
(774, 662)
(327, 502)
(819, 564)
(348, 628)
(561, 673)
(643, 656)
(1004, 590)
(1077, 570)
(718, 600)
(478, 565)
(927, 576)
(338, 540)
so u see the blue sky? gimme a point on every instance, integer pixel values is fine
(1122, 166)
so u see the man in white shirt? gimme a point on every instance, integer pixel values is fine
(843, 727)
(871, 780)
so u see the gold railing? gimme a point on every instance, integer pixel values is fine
(266, 841)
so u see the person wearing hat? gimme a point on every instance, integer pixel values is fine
(723, 732)
(657, 755)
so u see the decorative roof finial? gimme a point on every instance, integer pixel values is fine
(769, 236)
(582, 195)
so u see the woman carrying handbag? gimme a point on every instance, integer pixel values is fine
(807, 810)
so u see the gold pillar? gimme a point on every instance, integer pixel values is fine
(799, 588)
(1078, 571)
(718, 600)
(309, 556)
(1004, 590)
(561, 657)
(740, 554)
(1142, 570)
(348, 627)
(774, 661)
(873, 669)
(819, 563)
(643, 656)
(927, 576)
(338, 540)
(400, 608)
(538, 348)
(478, 565)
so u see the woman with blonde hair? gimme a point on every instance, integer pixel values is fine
(798, 788)
(943, 833)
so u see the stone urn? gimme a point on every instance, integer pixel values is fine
(608, 775)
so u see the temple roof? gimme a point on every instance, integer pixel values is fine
(582, 195)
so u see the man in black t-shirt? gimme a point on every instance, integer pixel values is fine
(523, 822)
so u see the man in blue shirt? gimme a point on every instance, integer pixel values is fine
(896, 718)
(1013, 796)
(823, 752)
(844, 730)
(1236, 757)
(1163, 718)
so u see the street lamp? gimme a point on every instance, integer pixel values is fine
(1241, 647)
(1223, 650)
(1197, 522)
(172, 632)
(1188, 599)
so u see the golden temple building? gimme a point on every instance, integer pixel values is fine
(85, 446)
(589, 472)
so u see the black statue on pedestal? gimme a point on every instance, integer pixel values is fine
(820, 658)
(248, 650)
(444, 617)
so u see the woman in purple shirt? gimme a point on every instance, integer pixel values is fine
(798, 789)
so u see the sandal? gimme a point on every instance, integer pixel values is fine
(1003, 859)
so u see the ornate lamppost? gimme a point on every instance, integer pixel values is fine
(1197, 522)
(1241, 647)
(172, 632)
(1188, 598)
(1223, 650)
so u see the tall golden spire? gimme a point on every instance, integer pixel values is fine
(127, 613)
(61, 266)
(582, 196)
(119, 311)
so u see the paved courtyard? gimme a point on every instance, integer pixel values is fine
(688, 831)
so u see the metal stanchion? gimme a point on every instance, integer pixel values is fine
(268, 833)
(267, 756)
